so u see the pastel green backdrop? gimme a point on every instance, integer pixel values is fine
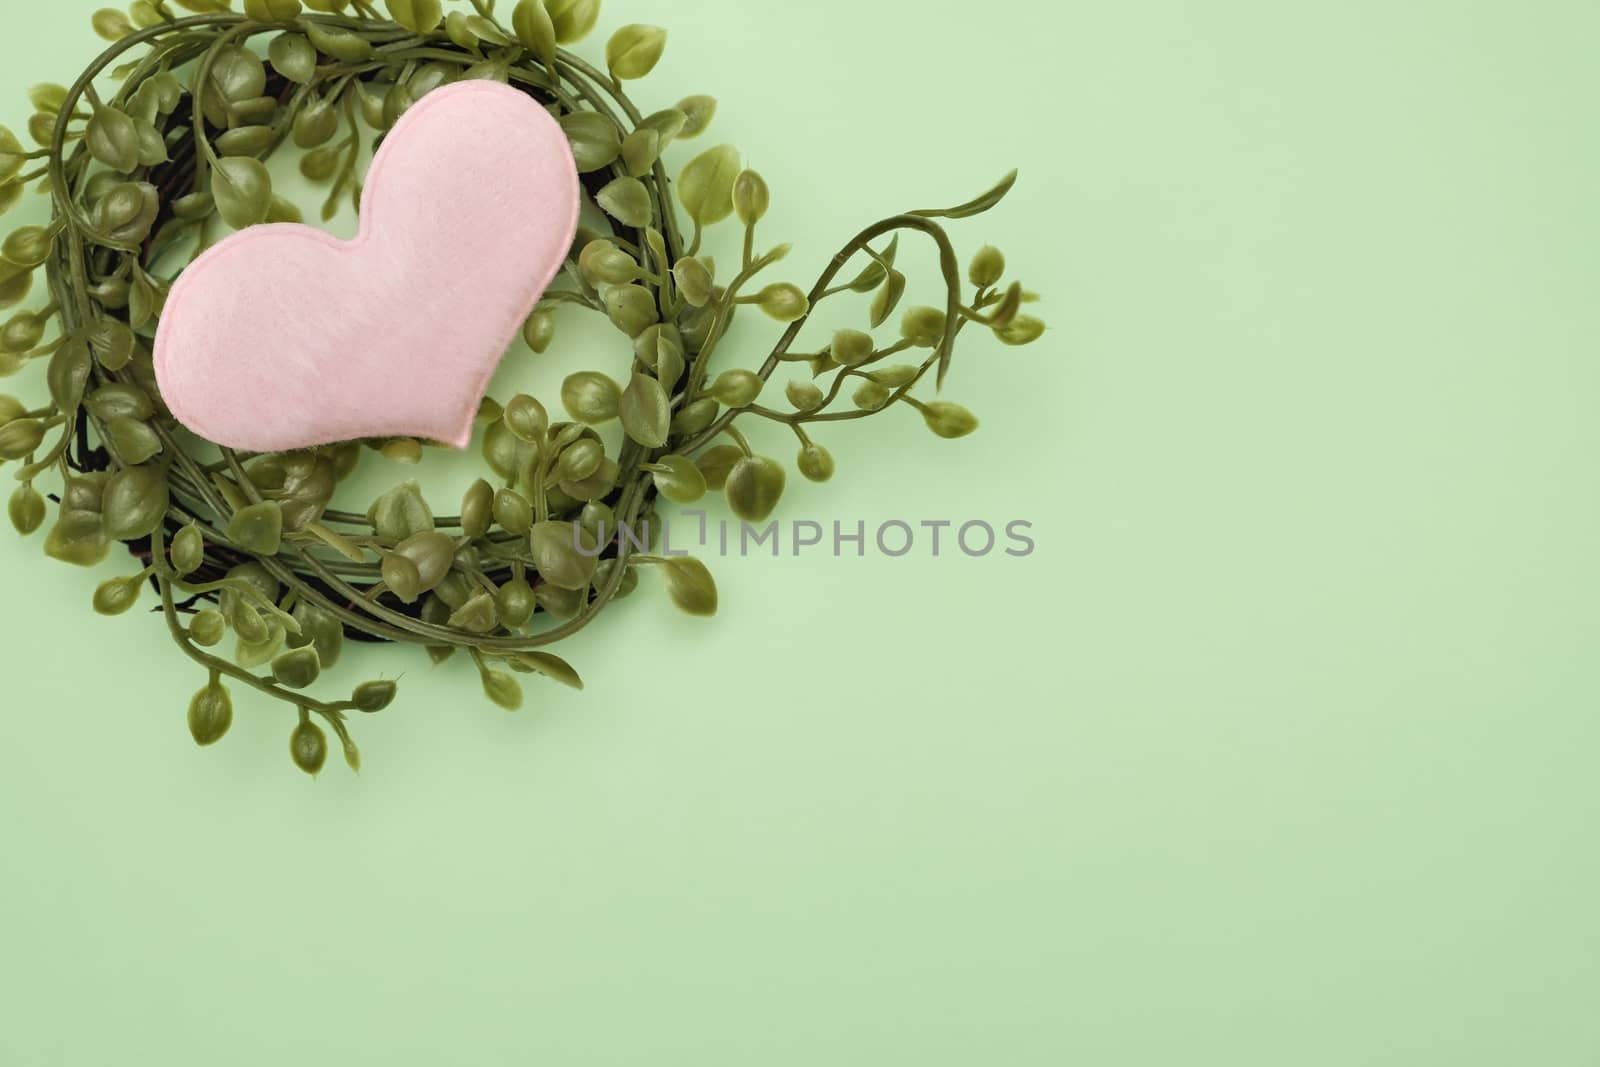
(1280, 749)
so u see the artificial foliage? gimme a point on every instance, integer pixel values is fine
(258, 567)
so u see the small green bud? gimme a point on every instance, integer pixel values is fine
(188, 550)
(210, 714)
(297, 669)
(870, 396)
(580, 460)
(503, 689)
(603, 263)
(515, 603)
(402, 577)
(751, 197)
(20, 437)
(373, 697)
(28, 247)
(402, 450)
(816, 463)
(987, 268)
(207, 627)
(27, 509)
(477, 509)
(695, 278)
(1022, 330)
(117, 595)
(754, 487)
(852, 348)
(804, 396)
(591, 397)
(784, 302)
(923, 326)
(737, 388)
(23, 331)
(513, 512)
(897, 376)
(308, 747)
(631, 308)
(539, 330)
(949, 420)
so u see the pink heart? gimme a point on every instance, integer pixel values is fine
(284, 337)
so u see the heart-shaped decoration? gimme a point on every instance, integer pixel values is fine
(285, 337)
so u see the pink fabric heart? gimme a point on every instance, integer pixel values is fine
(284, 337)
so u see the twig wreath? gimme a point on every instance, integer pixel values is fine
(252, 543)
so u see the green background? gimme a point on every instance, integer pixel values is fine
(1280, 749)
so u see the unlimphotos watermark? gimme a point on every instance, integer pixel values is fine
(895, 538)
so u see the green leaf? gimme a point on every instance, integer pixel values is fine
(877, 270)
(698, 111)
(12, 155)
(634, 51)
(531, 22)
(292, 56)
(573, 19)
(257, 529)
(974, 207)
(135, 502)
(888, 298)
(551, 666)
(133, 442)
(111, 24)
(272, 10)
(339, 44)
(706, 185)
(68, 375)
(596, 141)
(754, 487)
(113, 139)
(564, 553)
(418, 16)
(690, 585)
(628, 201)
(646, 411)
(242, 189)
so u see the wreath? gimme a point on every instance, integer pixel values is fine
(157, 149)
